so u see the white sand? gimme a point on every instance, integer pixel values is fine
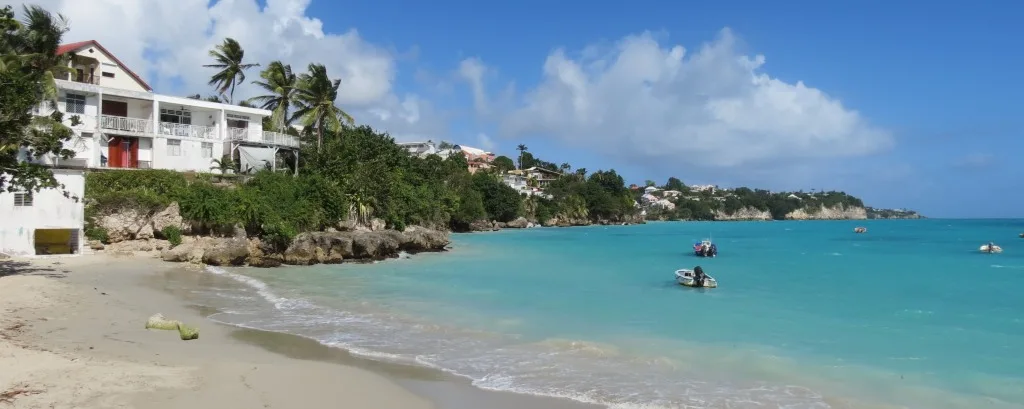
(72, 336)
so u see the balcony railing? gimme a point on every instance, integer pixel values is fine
(125, 124)
(267, 137)
(188, 131)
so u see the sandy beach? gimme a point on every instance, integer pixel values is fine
(72, 336)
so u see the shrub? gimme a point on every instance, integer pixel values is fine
(96, 233)
(172, 234)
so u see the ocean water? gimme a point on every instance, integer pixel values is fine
(807, 315)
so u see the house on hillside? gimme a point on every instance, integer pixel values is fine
(125, 125)
(46, 222)
(541, 175)
(478, 158)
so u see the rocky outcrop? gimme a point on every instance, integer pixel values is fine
(309, 248)
(483, 225)
(829, 213)
(746, 213)
(134, 224)
(520, 223)
(561, 221)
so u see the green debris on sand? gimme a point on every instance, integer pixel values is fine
(158, 321)
(187, 332)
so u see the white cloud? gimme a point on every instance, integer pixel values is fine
(641, 101)
(167, 42)
(485, 142)
(472, 70)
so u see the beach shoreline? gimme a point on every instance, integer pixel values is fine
(73, 329)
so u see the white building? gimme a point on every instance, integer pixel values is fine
(46, 222)
(124, 124)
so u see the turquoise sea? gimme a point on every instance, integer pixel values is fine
(807, 315)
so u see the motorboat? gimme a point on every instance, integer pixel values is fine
(990, 248)
(686, 277)
(705, 248)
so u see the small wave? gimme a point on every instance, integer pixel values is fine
(1009, 267)
(261, 288)
(586, 347)
(835, 254)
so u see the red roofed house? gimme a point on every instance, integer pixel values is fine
(124, 124)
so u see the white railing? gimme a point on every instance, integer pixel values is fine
(278, 138)
(188, 131)
(267, 137)
(125, 124)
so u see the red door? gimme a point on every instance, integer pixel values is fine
(123, 152)
(114, 156)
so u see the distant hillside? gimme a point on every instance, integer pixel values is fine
(874, 213)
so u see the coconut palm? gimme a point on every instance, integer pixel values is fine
(315, 93)
(522, 149)
(31, 47)
(279, 82)
(228, 57)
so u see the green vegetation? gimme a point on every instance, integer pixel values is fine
(28, 65)
(172, 234)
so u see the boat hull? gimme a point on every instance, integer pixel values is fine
(995, 249)
(685, 278)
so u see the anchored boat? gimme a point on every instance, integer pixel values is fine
(689, 278)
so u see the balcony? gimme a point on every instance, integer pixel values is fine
(266, 138)
(132, 126)
(188, 131)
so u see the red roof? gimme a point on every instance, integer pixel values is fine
(66, 48)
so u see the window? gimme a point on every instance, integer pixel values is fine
(207, 149)
(237, 121)
(176, 116)
(108, 74)
(173, 147)
(22, 199)
(74, 103)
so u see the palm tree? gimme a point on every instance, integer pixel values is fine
(33, 47)
(279, 82)
(228, 57)
(565, 168)
(314, 95)
(522, 149)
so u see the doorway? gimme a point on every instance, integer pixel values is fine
(56, 241)
(123, 152)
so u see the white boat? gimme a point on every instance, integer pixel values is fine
(685, 277)
(985, 249)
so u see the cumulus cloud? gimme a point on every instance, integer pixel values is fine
(167, 42)
(641, 101)
(472, 71)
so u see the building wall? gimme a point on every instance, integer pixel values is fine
(191, 157)
(49, 210)
(121, 78)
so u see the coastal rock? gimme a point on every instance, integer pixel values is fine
(191, 250)
(520, 223)
(334, 247)
(96, 245)
(377, 224)
(137, 246)
(171, 216)
(561, 221)
(227, 252)
(263, 255)
(130, 223)
(746, 213)
(829, 213)
(127, 224)
(483, 225)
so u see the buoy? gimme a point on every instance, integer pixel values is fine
(860, 230)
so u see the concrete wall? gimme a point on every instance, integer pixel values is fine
(49, 210)
(121, 79)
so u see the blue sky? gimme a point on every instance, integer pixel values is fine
(905, 104)
(941, 77)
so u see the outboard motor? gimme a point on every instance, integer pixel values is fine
(713, 251)
(698, 276)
